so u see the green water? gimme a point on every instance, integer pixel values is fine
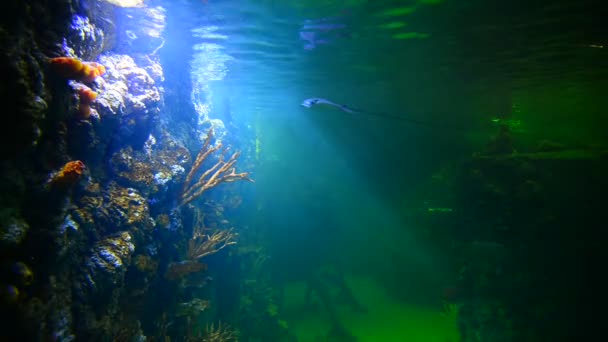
(338, 189)
(386, 320)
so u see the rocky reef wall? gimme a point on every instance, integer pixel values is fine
(92, 229)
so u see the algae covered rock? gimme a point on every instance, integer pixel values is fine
(129, 101)
(125, 208)
(84, 39)
(152, 169)
(107, 263)
(102, 212)
(13, 231)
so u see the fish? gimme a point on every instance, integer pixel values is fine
(308, 103)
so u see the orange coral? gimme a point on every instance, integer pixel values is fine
(67, 67)
(86, 96)
(69, 174)
(92, 70)
(75, 69)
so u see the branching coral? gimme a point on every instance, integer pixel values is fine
(219, 333)
(222, 172)
(201, 244)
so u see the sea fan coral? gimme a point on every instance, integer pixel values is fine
(222, 172)
(75, 69)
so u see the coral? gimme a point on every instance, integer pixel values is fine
(201, 244)
(86, 96)
(221, 172)
(219, 333)
(69, 174)
(74, 69)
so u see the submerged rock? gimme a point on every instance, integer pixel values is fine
(13, 232)
(151, 170)
(100, 213)
(125, 208)
(105, 267)
(84, 39)
(130, 97)
(151, 63)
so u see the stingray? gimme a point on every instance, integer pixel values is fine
(313, 101)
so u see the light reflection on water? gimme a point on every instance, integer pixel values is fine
(434, 58)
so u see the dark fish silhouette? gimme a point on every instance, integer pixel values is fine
(309, 103)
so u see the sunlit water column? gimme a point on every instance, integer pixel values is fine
(209, 63)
